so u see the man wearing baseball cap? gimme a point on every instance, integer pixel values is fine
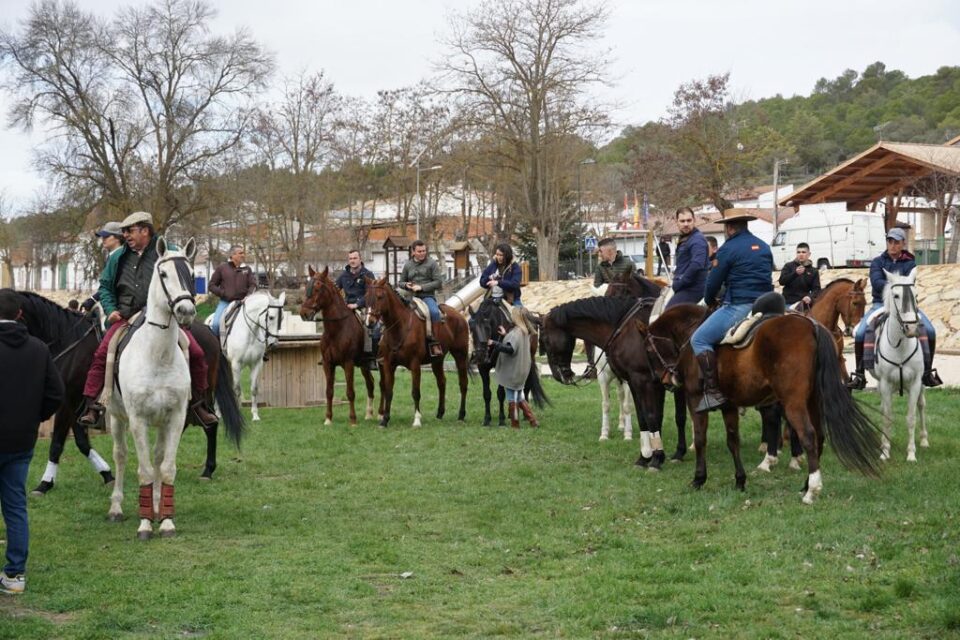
(896, 259)
(111, 237)
(124, 285)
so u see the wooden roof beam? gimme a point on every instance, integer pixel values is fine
(846, 182)
(895, 187)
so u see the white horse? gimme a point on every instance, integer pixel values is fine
(605, 378)
(154, 379)
(256, 329)
(898, 362)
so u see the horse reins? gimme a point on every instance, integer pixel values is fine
(639, 304)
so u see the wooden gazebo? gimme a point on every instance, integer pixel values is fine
(393, 246)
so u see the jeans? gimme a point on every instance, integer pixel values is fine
(13, 501)
(434, 308)
(217, 315)
(861, 329)
(514, 395)
(712, 330)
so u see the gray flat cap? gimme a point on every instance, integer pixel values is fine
(138, 217)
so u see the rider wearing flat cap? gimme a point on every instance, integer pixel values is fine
(745, 267)
(124, 285)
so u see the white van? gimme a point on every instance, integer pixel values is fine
(837, 237)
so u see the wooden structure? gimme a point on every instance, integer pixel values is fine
(292, 376)
(391, 248)
(461, 258)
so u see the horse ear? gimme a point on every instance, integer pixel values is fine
(161, 246)
(382, 280)
(860, 284)
(310, 270)
(326, 270)
(282, 300)
(190, 250)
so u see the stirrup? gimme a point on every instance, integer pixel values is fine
(92, 414)
(196, 408)
(931, 378)
(857, 381)
(710, 401)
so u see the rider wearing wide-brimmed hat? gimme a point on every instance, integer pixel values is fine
(124, 286)
(896, 259)
(745, 267)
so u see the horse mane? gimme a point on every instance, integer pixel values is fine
(837, 281)
(49, 321)
(609, 310)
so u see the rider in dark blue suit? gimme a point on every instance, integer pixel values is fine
(745, 266)
(690, 274)
(896, 259)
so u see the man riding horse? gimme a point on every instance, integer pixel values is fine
(124, 284)
(353, 283)
(744, 266)
(231, 282)
(421, 276)
(896, 259)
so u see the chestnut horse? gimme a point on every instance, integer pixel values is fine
(342, 341)
(791, 360)
(404, 343)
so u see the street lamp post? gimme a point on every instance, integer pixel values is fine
(776, 195)
(419, 195)
(580, 237)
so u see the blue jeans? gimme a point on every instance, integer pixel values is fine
(514, 395)
(712, 330)
(861, 330)
(221, 307)
(13, 501)
(434, 308)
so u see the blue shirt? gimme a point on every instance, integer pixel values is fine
(901, 265)
(692, 265)
(354, 286)
(745, 266)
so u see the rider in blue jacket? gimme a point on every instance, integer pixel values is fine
(745, 266)
(896, 259)
(690, 274)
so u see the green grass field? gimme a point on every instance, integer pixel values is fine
(454, 530)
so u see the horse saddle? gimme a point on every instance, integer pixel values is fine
(119, 342)
(227, 319)
(423, 312)
(769, 305)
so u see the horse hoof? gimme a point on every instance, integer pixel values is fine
(439, 415)
(115, 517)
(206, 476)
(603, 438)
(462, 416)
(628, 437)
(659, 457)
(697, 484)
(255, 418)
(678, 455)
(327, 422)
(144, 535)
(643, 461)
(653, 469)
(42, 488)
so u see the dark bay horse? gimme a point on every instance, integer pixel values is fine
(487, 317)
(404, 344)
(791, 360)
(342, 341)
(841, 299)
(72, 340)
(608, 323)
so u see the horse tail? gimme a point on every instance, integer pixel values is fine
(853, 436)
(534, 388)
(233, 420)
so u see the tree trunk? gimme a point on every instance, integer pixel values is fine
(548, 254)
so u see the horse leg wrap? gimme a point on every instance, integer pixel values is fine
(146, 501)
(166, 501)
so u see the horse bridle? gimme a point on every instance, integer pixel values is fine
(266, 325)
(637, 306)
(171, 301)
(903, 323)
(322, 317)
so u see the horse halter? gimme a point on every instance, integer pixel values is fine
(908, 299)
(256, 326)
(182, 265)
(669, 368)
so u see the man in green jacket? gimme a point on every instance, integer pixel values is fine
(421, 276)
(124, 285)
(612, 263)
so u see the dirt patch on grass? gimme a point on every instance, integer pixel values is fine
(12, 606)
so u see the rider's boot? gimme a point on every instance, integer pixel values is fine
(514, 418)
(858, 380)
(930, 376)
(434, 348)
(200, 410)
(712, 397)
(92, 412)
(528, 414)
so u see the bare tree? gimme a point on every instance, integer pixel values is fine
(941, 190)
(521, 68)
(140, 106)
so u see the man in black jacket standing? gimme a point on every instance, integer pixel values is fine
(800, 279)
(27, 397)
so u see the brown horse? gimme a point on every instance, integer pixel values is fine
(404, 343)
(342, 341)
(791, 360)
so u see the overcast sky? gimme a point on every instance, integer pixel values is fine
(769, 47)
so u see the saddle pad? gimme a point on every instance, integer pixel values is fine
(423, 311)
(741, 335)
(876, 319)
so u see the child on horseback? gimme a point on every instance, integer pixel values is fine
(513, 365)
(896, 259)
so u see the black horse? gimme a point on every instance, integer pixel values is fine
(72, 339)
(483, 326)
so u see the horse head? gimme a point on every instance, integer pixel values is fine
(558, 345)
(320, 293)
(854, 304)
(380, 298)
(486, 319)
(273, 319)
(900, 301)
(172, 287)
